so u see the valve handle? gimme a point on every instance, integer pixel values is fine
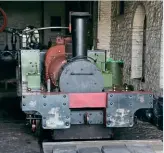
(2, 28)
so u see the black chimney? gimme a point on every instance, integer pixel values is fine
(79, 23)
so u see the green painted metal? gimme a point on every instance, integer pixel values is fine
(30, 65)
(99, 56)
(33, 81)
(115, 67)
(107, 79)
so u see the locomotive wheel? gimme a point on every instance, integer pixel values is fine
(4, 24)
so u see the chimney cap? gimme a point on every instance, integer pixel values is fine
(80, 14)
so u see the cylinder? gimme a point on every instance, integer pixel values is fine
(79, 23)
(115, 67)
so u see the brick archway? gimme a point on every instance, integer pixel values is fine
(137, 42)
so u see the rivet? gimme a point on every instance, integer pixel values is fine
(131, 124)
(108, 122)
(44, 104)
(111, 103)
(150, 95)
(111, 95)
(67, 117)
(44, 96)
(67, 124)
(24, 104)
(108, 115)
(44, 125)
(24, 96)
(64, 96)
(64, 103)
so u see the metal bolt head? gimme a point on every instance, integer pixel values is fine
(108, 123)
(44, 125)
(44, 104)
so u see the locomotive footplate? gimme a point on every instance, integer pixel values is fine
(132, 146)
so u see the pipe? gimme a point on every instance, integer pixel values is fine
(79, 21)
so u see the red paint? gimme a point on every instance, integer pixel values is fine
(55, 67)
(52, 53)
(4, 20)
(87, 100)
(60, 40)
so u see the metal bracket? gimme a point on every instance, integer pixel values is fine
(122, 106)
(53, 108)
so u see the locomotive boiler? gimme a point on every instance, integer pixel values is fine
(69, 95)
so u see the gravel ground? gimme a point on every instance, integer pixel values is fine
(15, 137)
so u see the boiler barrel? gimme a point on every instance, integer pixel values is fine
(79, 22)
(115, 67)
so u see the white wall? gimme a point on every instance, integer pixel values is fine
(104, 25)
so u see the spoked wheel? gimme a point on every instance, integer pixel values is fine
(3, 20)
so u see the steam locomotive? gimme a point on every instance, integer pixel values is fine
(73, 96)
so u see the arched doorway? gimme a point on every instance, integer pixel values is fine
(138, 43)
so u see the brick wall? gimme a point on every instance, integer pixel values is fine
(121, 42)
(104, 25)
